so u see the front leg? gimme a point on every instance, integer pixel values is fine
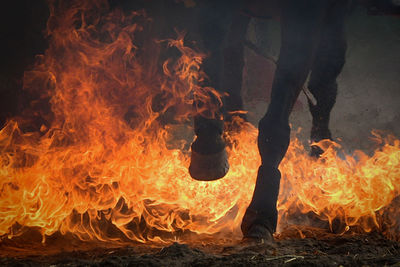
(301, 27)
(222, 29)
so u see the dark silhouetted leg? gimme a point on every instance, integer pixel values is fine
(301, 27)
(327, 65)
(233, 66)
(221, 31)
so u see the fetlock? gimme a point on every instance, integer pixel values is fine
(260, 219)
(318, 133)
(255, 227)
(321, 113)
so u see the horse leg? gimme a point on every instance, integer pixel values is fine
(301, 26)
(233, 66)
(221, 30)
(328, 64)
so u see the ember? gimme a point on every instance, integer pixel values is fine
(111, 162)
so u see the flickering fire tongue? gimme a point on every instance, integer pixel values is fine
(112, 155)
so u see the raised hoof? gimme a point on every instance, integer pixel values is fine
(208, 167)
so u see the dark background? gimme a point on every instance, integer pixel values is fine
(22, 25)
(369, 86)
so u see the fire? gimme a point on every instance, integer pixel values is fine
(354, 189)
(111, 161)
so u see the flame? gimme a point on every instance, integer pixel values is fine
(110, 161)
(351, 189)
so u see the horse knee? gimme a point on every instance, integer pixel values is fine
(273, 141)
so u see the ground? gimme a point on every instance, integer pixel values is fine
(298, 246)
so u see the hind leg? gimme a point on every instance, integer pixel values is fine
(328, 64)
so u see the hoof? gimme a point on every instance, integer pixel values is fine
(256, 228)
(208, 167)
(258, 235)
(250, 241)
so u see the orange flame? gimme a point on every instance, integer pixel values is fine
(352, 189)
(112, 163)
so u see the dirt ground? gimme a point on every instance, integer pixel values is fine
(297, 246)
